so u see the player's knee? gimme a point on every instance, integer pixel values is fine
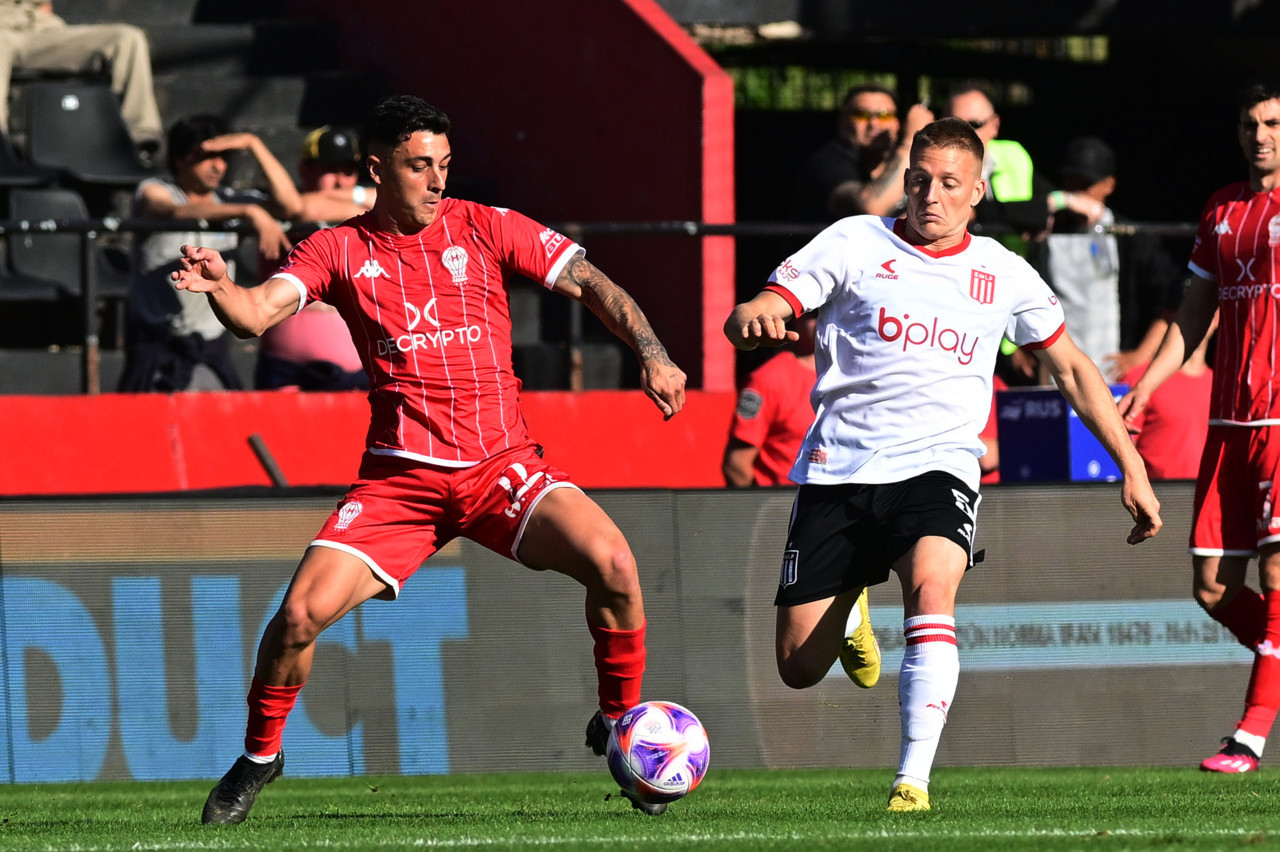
(299, 626)
(616, 566)
(797, 674)
(1210, 598)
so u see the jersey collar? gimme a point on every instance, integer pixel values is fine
(899, 229)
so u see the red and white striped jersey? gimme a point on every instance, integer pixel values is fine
(1236, 247)
(429, 316)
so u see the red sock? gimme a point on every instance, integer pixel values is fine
(619, 667)
(1245, 616)
(1262, 698)
(269, 707)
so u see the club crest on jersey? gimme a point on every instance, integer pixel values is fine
(982, 287)
(348, 513)
(551, 241)
(455, 260)
(1273, 232)
(371, 269)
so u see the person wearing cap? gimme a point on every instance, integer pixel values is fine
(312, 350)
(329, 166)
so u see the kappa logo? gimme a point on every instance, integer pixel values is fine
(888, 273)
(371, 269)
(817, 455)
(1266, 649)
(941, 707)
(517, 485)
(1222, 228)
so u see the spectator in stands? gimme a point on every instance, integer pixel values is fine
(860, 171)
(312, 350)
(330, 171)
(1015, 196)
(171, 332)
(32, 36)
(1170, 432)
(1116, 293)
(773, 415)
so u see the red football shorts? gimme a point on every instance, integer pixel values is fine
(1235, 491)
(402, 511)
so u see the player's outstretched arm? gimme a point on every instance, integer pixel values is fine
(661, 379)
(760, 322)
(1195, 319)
(246, 311)
(1083, 386)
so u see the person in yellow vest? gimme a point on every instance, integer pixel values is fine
(1015, 196)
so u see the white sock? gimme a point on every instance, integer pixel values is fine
(926, 688)
(261, 758)
(1253, 741)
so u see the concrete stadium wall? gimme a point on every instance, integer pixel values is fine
(129, 628)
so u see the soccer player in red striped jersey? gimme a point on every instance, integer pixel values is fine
(421, 281)
(1235, 274)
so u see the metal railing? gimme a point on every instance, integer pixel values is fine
(92, 230)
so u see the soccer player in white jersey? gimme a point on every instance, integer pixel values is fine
(421, 281)
(910, 317)
(1235, 274)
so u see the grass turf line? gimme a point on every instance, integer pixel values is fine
(974, 809)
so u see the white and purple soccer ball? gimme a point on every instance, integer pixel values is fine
(658, 751)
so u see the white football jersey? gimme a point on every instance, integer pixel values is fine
(906, 346)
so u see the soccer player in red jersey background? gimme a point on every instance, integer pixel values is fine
(1234, 274)
(421, 281)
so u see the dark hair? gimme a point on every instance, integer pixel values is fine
(398, 117)
(188, 133)
(950, 132)
(969, 86)
(865, 89)
(1256, 91)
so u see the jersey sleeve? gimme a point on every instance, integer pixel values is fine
(1036, 319)
(310, 267)
(808, 278)
(1204, 252)
(533, 250)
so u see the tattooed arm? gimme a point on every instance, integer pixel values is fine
(661, 379)
(884, 192)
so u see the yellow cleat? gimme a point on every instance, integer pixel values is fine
(907, 798)
(860, 652)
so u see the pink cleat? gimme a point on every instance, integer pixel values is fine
(1234, 757)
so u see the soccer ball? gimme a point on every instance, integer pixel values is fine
(658, 751)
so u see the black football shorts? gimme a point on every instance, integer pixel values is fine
(844, 537)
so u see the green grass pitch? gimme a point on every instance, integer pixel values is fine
(974, 809)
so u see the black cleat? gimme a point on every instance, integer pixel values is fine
(230, 800)
(597, 734)
(650, 808)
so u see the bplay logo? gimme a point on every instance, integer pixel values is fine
(928, 334)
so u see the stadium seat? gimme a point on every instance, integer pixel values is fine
(15, 171)
(77, 129)
(56, 256)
